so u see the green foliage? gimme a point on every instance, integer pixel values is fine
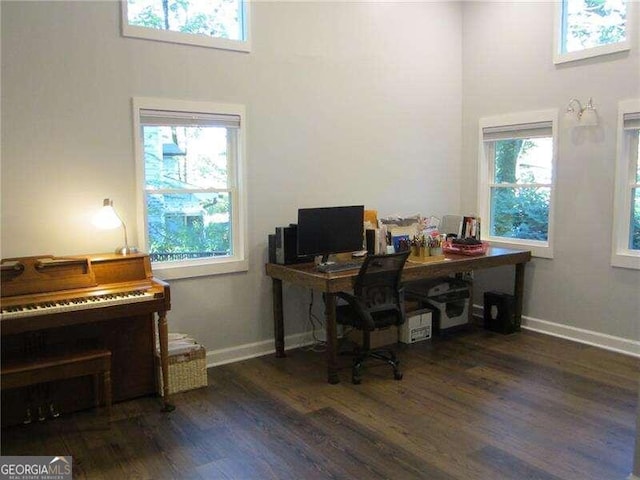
(507, 153)
(192, 238)
(189, 235)
(517, 212)
(634, 242)
(220, 19)
(148, 18)
(596, 22)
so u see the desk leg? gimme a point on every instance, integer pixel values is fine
(332, 338)
(163, 337)
(518, 292)
(278, 318)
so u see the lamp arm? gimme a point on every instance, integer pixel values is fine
(124, 227)
(126, 242)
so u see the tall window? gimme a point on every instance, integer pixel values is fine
(189, 157)
(517, 163)
(626, 229)
(210, 23)
(587, 28)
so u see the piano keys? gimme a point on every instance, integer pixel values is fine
(49, 304)
(48, 307)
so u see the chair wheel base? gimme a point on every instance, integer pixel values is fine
(397, 375)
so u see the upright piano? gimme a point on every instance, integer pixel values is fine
(63, 304)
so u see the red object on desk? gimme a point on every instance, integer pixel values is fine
(462, 249)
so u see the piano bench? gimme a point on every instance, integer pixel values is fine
(96, 363)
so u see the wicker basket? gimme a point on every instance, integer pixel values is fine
(187, 370)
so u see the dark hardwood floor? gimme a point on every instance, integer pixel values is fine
(476, 405)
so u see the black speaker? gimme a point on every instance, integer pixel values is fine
(272, 248)
(370, 236)
(499, 313)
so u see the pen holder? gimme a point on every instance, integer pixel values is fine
(420, 252)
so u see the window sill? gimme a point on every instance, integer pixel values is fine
(626, 259)
(145, 33)
(538, 249)
(178, 270)
(560, 58)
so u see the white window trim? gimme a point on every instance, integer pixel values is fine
(146, 33)
(238, 262)
(538, 248)
(622, 255)
(559, 57)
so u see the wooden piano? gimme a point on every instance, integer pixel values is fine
(63, 304)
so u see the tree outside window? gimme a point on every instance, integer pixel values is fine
(592, 23)
(634, 240)
(191, 174)
(590, 28)
(187, 191)
(210, 23)
(214, 18)
(521, 187)
(626, 200)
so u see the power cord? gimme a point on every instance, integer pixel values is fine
(318, 345)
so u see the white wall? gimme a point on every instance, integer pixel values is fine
(507, 59)
(346, 103)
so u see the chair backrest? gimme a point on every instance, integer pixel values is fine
(378, 282)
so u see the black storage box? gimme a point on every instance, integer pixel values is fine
(499, 313)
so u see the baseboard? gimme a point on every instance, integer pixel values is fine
(581, 335)
(257, 349)
(601, 340)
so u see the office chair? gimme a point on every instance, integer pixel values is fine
(377, 302)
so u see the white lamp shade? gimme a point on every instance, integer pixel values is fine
(570, 119)
(107, 218)
(589, 117)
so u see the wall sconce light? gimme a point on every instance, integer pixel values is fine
(577, 115)
(107, 218)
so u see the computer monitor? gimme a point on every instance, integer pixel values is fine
(327, 230)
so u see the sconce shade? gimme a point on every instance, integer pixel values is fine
(577, 115)
(589, 117)
(571, 119)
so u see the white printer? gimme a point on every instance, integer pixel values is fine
(447, 296)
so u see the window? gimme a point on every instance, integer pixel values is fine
(209, 23)
(189, 158)
(516, 181)
(588, 28)
(626, 224)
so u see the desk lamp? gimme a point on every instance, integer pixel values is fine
(107, 218)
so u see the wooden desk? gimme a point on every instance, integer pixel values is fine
(306, 275)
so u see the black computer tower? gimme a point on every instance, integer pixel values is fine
(286, 246)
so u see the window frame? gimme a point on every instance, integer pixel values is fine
(560, 57)
(146, 33)
(621, 254)
(238, 262)
(538, 248)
